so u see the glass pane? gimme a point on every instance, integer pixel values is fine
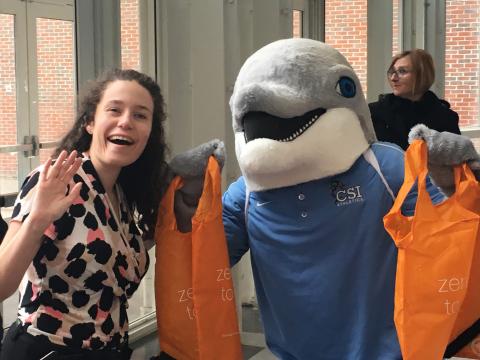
(143, 300)
(45, 154)
(8, 179)
(346, 30)
(462, 59)
(10, 309)
(130, 34)
(297, 23)
(8, 106)
(56, 79)
(396, 27)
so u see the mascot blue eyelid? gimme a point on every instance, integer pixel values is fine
(316, 185)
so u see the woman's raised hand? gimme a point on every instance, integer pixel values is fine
(52, 198)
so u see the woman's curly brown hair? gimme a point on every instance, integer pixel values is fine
(142, 181)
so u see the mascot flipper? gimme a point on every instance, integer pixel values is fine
(444, 151)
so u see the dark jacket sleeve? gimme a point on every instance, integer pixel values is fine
(379, 123)
(393, 117)
(373, 112)
(451, 118)
(389, 125)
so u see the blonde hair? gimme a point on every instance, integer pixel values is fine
(423, 69)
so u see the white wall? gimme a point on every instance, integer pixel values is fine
(201, 49)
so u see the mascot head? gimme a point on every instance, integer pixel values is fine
(299, 114)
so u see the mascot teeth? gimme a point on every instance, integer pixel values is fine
(300, 131)
(262, 125)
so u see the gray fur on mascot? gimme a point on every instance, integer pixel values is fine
(309, 206)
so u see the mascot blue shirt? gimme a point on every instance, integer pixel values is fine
(324, 267)
(318, 187)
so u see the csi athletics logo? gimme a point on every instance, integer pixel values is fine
(345, 195)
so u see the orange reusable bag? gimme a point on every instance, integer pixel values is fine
(196, 313)
(435, 251)
(465, 341)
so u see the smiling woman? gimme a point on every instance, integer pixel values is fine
(78, 225)
(120, 129)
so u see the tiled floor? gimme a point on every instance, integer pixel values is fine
(252, 339)
(145, 348)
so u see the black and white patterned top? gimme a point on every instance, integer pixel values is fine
(75, 290)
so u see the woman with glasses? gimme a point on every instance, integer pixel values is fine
(410, 75)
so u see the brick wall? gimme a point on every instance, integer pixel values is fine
(346, 30)
(130, 34)
(56, 80)
(8, 117)
(462, 63)
(55, 76)
(297, 23)
(396, 27)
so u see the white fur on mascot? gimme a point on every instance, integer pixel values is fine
(310, 204)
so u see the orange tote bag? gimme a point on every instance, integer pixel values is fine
(465, 341)
(435, 252)
(196, 313)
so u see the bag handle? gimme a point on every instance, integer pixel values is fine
(166, 217)
(398, 225)
(416, 168)
(209, 199)
(413, 169)
(210, 203)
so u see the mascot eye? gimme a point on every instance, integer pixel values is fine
(346, 87)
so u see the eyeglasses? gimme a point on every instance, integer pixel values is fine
(401, 72)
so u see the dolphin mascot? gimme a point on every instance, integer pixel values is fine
(316, 185)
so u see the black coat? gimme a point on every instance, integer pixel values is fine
(393, 116)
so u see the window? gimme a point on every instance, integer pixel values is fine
(130, 34)
(37, 83)
(297, 23)
(37, 90)
(462, 60)
(396, 27)
(8, 105)
(55, 81)
(141, 310)
(346, 30)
